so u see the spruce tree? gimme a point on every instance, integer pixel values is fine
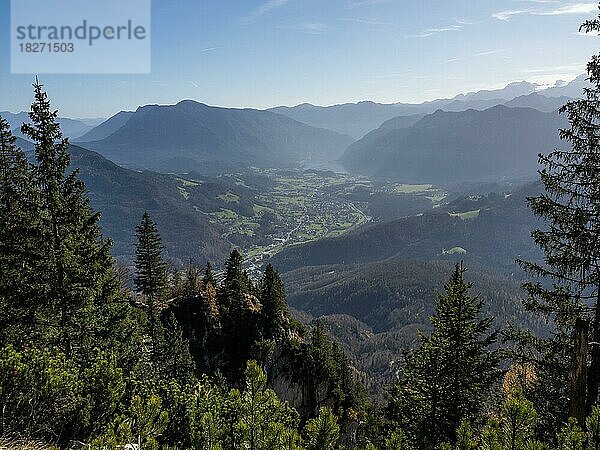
(240, 312)
(567, 284)
(78, 302)
(151, 271)
(151, 282)
(446, 379)
(236, 282)
(209, 276)
(20, 256)
(274, 304)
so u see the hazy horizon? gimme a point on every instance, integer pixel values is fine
(135, 107)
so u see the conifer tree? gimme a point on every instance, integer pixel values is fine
(191, 284)
(236, 282)
(567, 288)
(239, 310)
(274, 304)
(19, 252)
(322, 432)
(592, 426)
(446, 378)
(175, 359)
(264, 422)
(78, 297)
(197, 312)
(151, 271)
(209, 275)
(517, 423)
(571, 437)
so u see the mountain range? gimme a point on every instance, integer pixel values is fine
(71, 128)
(194, 136)
(177, 205)
(448, 147)
(357, 119)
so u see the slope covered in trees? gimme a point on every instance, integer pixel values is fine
(199, 360)
(497, 230)
(193, 136)
(83, 358)
(374, 309)
(458, 146)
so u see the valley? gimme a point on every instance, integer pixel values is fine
(287, 225)
(264, 211)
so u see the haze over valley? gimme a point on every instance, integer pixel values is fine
(300, 225)
(436, 182)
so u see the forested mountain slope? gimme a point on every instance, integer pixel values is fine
(491, 231)
(194, 136)
(458, 146)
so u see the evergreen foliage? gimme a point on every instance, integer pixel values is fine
(274, 304)
(446, 379)
(567, 285)
(151, 272)
(20, 256)
(84, 362)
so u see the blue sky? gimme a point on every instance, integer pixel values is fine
(262, 53)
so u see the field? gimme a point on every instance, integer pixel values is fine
(263, 211)
(467, 215)
(299, 206)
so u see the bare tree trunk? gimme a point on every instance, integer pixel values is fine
(578, 406)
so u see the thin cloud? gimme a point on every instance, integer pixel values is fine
(487, 52)
(312, 27)
(577, 8)
(574, 68)
(573, 8)
(367, 3)
(506, 15)
(365, 20)
(431, 31)
(548, 75)
(267, 6)
(475, 55)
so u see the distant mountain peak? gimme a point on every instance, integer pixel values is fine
(189, 102)
(521, 84)
(446, 146)
(194, 136)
